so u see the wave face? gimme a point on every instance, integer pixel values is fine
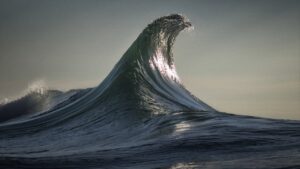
(141, 116)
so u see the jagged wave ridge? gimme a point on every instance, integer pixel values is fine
(141, 116)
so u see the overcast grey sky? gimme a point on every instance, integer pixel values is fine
(243, 56)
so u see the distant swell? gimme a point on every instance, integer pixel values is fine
(140, 116)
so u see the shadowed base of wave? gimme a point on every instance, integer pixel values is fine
(180, 140)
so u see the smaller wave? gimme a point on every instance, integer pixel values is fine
(36, 99)
(37, 86)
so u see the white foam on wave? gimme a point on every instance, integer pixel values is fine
(37, 86)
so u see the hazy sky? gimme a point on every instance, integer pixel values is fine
(243, 57)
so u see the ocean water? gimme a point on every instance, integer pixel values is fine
(140, 116)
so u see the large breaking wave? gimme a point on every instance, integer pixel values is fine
(140, 116)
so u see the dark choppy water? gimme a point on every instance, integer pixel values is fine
(140, 116)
